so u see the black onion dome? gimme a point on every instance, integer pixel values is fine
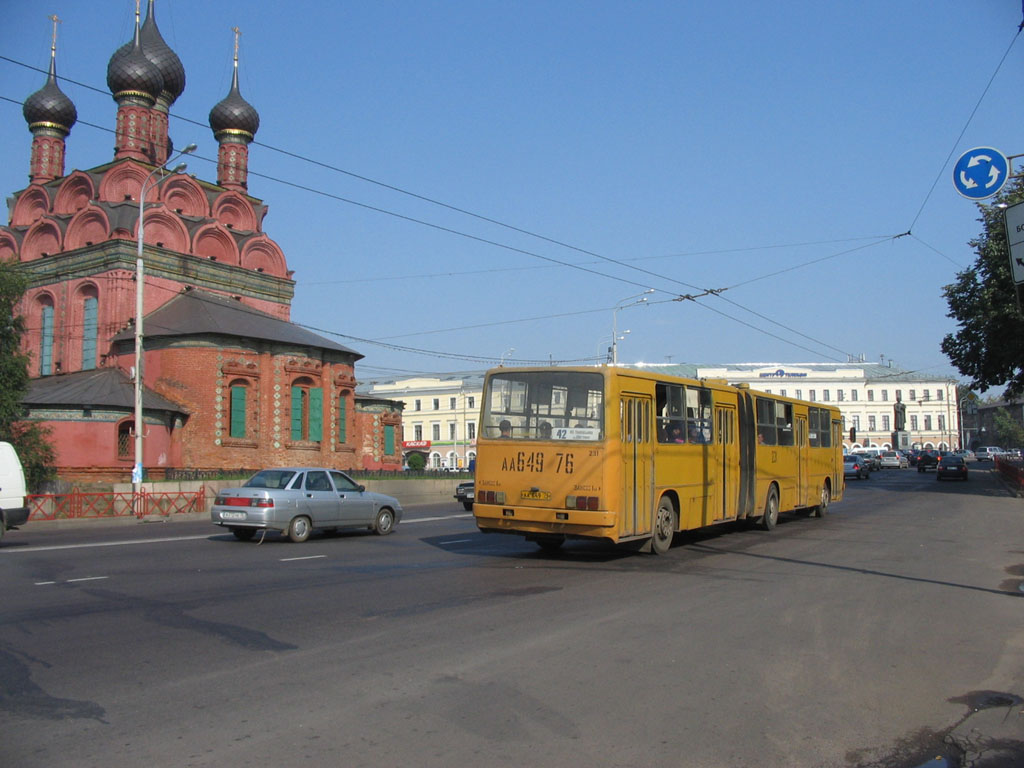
(130, 73)
(234, 114)
(165, 59)
(49, 105)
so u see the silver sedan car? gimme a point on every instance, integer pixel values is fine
(297, 500)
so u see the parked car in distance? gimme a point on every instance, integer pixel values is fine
(466, 493)
(951, 465)
(927, 460)
(855, 466)
(966, 455)
(297, 500)
(871, 459)
(894, 459)
(988, 452)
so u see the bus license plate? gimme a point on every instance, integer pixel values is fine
(536, 495)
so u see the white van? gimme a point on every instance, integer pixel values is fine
(13, 510)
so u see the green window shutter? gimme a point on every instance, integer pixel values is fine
(342, 418)
(389, 439)
(316, 414)
(89, 334)
(238, 399)
(46, 353)
(297, 403)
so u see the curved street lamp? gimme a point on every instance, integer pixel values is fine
(640, 298)
(137, 468)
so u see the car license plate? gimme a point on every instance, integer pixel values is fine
(232, 515)
(536, 495)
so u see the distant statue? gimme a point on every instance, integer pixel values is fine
(899, 413)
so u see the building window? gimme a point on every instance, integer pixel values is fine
(782, 392)
(941, 419)
(885, 423)
(913, 394)
(840, 395)
(342, 419)
(125, 443)
(926, 396)
(471, 430)
(46, 340)
(89, 331)
(938, 394)
(799, 395)
(389, 439)
(899, 395)
(237, 404)
(885, 395)
(814, 397)
(437, 403)
(451, 403)
(435, 430)
(417, 432)
(307, 411)
(856, 421)
(871, 423)
(825, 396)
(913, 421)
(451, 430)
(415, 405)
(927, 423)
(853, 395)
(471, 402)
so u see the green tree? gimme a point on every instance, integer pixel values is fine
(29, 439)
(988, 347)
(1008, 431)
(416, 462)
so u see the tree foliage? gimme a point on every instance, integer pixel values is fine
(1008, 431)
(988, 347)
(29, 439)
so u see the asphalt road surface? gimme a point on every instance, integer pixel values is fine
(888, 634)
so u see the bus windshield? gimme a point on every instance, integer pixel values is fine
(544, 405)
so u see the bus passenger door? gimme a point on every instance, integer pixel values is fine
(728, 459)
(801, 461)
(637, 447)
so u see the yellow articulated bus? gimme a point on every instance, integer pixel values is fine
(627, 455)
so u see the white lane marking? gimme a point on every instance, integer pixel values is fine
(435, 519)
(12, 550)
(15, 550)
(71, 581)
(308, 557)
(44, 583)
(456, 541)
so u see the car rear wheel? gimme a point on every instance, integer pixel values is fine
(299, 529)
(385, 522)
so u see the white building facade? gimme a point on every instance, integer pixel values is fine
(440, 416)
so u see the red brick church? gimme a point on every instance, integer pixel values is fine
(228, 381)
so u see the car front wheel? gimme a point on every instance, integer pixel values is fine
(385, 522)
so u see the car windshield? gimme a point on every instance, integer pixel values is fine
(270, 478)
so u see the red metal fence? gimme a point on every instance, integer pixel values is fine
(78, 505)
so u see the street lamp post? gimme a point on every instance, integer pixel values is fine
(137, 469)
(640, 298)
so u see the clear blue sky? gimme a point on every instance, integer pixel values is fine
(773, 149)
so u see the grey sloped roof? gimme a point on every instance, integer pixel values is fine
(100, 388)
(197, 312)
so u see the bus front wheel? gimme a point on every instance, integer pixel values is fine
(664, 526)
(771, 510)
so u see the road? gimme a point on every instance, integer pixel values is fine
(883, 635)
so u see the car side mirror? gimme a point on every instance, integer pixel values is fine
(360, 488)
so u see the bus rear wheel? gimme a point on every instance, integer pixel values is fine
(771, 510)
(664, 526)
(826, 498)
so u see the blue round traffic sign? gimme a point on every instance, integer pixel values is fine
(980, 172)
